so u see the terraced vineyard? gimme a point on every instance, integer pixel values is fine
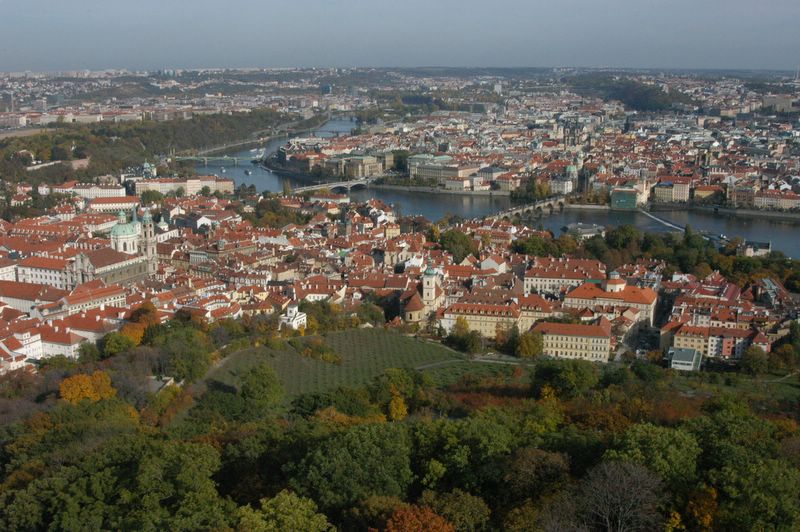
(365, 353)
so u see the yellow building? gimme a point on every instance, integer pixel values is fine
(567, 340)
(486, 319)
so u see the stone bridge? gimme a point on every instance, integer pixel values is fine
(537, 209)
(339, 186)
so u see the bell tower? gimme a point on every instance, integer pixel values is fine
(149, 242)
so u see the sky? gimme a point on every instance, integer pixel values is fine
(47, 35)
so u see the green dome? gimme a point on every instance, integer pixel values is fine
(123, 230)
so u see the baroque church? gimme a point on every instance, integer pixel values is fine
(131, 257)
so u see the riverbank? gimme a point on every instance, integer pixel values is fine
(726, 211)
(307, 126)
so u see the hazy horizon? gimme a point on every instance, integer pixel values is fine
(51, 35)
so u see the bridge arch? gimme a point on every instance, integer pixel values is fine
(539, 210)
(357, 186)
(560, 206)
(549, 208)
(340, 188)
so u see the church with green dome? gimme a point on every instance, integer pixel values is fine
(136, 237)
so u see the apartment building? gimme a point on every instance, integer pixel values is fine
(585, 342)
(43, 270)
(191, 186)
(717, 342)
(552, 275)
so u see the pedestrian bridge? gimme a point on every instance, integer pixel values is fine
(339, 186)
(537, 209)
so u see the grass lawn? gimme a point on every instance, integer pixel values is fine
(760, 388)
(365, 354)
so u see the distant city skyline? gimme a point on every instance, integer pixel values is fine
(52, 35)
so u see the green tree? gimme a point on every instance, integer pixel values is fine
(88, 352)
(286, 511)
(187, 349)
(672, 453)
(115, 343)
(459, 244)
(754, 361)
(261, 390)
(205, 191)
(350, 466)
(148, 197)
(466, 512)
(568, 378)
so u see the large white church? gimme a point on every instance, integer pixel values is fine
(136, 238)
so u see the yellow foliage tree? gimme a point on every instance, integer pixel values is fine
(92, 387)
(133, 331)
(397, 408)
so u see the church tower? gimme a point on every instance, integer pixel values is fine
(149, 242)
(429, 287)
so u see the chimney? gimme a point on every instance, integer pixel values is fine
(102, 306)
(97, 317)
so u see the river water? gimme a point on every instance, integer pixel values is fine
(782, 234)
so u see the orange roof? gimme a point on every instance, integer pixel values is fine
(630, 294)
(601, 330)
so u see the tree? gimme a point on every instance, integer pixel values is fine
(88, 352)
(754, 361)
(180, 192)
(466, 512)
(530, 345)
(532, 472)
(149, 197)
(205, 191)
(417, 519)
(146, 314)
(285, 511)
(261, 390)
(350, 466)
(187, 349)
(459, 244)
(568, 378)
(93, 388)
(115, 343)
(620, 496)
(671, 453)
(133, 332)
(397, 408)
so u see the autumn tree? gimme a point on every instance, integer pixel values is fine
(530, 345)
(417, 519)
(93, 388)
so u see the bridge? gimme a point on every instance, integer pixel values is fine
(539, 208)
(339, 185)
(219, 159)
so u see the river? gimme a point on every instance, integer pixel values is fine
(782, 234)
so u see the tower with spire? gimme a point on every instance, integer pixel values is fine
(148, 242)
